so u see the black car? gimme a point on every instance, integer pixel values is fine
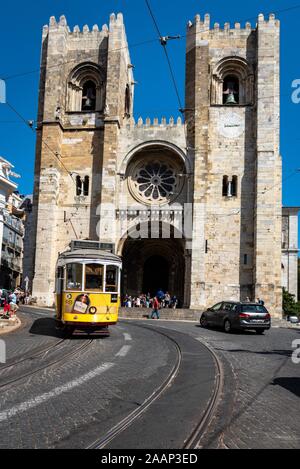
(231, 315)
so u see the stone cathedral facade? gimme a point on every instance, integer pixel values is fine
(100, 175)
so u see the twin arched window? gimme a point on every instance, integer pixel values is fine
(230, 186)
(82, 186)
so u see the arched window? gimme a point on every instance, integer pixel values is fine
(231, 90)
(232, 82)
(225, 186)
(82, 186)
(86, 89)
(86, 186)
(230, 186)
(234, 186)
(127, 101)
(89, 96)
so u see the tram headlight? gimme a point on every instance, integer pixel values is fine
(93, 310)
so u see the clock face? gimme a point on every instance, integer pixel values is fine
(231, 125)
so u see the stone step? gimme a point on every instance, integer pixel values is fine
(171, 314)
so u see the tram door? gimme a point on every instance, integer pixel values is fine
(59, 291)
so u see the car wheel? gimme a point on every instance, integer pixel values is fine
(260, 331)
(227, 326)
(203, 322)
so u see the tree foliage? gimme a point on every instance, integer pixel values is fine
(289, 304)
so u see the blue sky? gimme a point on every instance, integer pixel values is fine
(20, 34)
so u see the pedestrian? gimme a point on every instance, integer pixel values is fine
(248, 300)
(167, 300)
(260, 302)
(155, 311)
(13, 304)
(160, 295)
(174, 302)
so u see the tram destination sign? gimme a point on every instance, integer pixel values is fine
(86, 244)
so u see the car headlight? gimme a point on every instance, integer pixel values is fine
(93, 310)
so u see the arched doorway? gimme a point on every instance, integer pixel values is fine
(156, 272)
(151, 264)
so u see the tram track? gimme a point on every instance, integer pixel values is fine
(7, 384)
(193, 440)
(31, 355)
(136, 414)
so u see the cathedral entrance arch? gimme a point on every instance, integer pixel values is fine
(153, 264)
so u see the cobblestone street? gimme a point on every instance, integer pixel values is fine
(76, 390)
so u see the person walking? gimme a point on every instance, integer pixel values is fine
(155, 311)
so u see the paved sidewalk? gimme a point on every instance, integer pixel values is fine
(9, 325)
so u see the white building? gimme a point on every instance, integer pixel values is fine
(290, 249)
(11, 228)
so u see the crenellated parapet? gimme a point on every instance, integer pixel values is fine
(156, 122)
(203, 25)
(62, 24)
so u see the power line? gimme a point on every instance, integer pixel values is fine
(161, 38)
(99, 54)
(30, 126)
(164, 41)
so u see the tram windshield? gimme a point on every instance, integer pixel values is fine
(74, 277)
(112, 274)
(94, 277)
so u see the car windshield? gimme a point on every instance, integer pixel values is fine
(253, 309)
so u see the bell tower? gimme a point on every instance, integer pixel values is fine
(232, 115)
(85, 97)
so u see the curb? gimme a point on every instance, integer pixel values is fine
(8, 329)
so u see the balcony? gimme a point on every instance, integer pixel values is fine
(12, 263)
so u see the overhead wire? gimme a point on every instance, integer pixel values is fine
(130, 46)
(163, 41)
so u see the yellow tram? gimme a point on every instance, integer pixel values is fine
(87, 289)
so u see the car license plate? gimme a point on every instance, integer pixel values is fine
(258, 321)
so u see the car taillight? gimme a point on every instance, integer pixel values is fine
(244, 316)
(268, 316)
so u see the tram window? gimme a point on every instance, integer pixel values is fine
(74, 277)
(59, 280)
(111, 278)
(94, 277)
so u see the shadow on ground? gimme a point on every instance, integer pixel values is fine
(47, 327)
(291, 384)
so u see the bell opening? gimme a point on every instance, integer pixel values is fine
(89, 96)
(231, 91)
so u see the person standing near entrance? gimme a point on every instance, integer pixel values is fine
(155, 311)
(160, 296)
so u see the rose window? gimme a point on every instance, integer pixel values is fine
(155, 182)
